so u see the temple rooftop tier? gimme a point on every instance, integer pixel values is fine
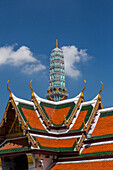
(56, 133)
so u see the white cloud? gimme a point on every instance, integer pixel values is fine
(22, 57)
(72, 56)
(29, 69)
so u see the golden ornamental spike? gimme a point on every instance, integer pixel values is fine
(26, 125)
(50, 120)
(65, 121)
(84, 126)
(77, 145)
(9, 89)
(99, 97)
(101, 87)
(56, 43)
(37, 142)
(31, 89)
(83, 88)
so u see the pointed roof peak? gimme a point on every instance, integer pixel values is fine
(56, 43)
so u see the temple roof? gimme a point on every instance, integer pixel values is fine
(71, 129)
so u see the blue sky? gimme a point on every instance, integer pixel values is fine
(28, 31)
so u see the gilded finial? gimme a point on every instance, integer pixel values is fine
(99, 97)
(31, 88)
(9, 88)
(56, 43)
(83, 88)
(101, 87)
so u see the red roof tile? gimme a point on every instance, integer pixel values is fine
(104, 165)
(33, 119)
(80, 120)
(104, 126)
(98, 148)
(57, 114)
(56, 142)
(11, 146)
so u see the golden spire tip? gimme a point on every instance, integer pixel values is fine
(56, 43)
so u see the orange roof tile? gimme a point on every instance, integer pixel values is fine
(57, 114)
(98, 148)
(11, 146)
(104, 126)
(80, 120)
(56, 143)
(34, 121)
(104, 165)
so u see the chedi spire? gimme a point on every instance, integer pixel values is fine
(57, 90)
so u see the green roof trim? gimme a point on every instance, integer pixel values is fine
(105, 114)
(20, 109)
(87, 154)
(101, 136)
(39, 130)
(14, 149)
(89, 108)
(97, 153)
(25, 106)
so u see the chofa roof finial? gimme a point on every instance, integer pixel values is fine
(83, 88)
(99, 97)
(31, 88)
(101, 87)
(9, 89)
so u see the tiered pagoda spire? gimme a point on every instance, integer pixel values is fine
(57, 90)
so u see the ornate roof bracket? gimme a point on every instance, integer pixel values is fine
(79, 145)
(39, 107)
(68, 122)
(4, 119)
(17, 114)
(32, 141)
(86, 128)
(46, 121)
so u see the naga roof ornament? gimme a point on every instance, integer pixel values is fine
(9, 89)
(31, 89)
(83, 88)
(99, 97)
